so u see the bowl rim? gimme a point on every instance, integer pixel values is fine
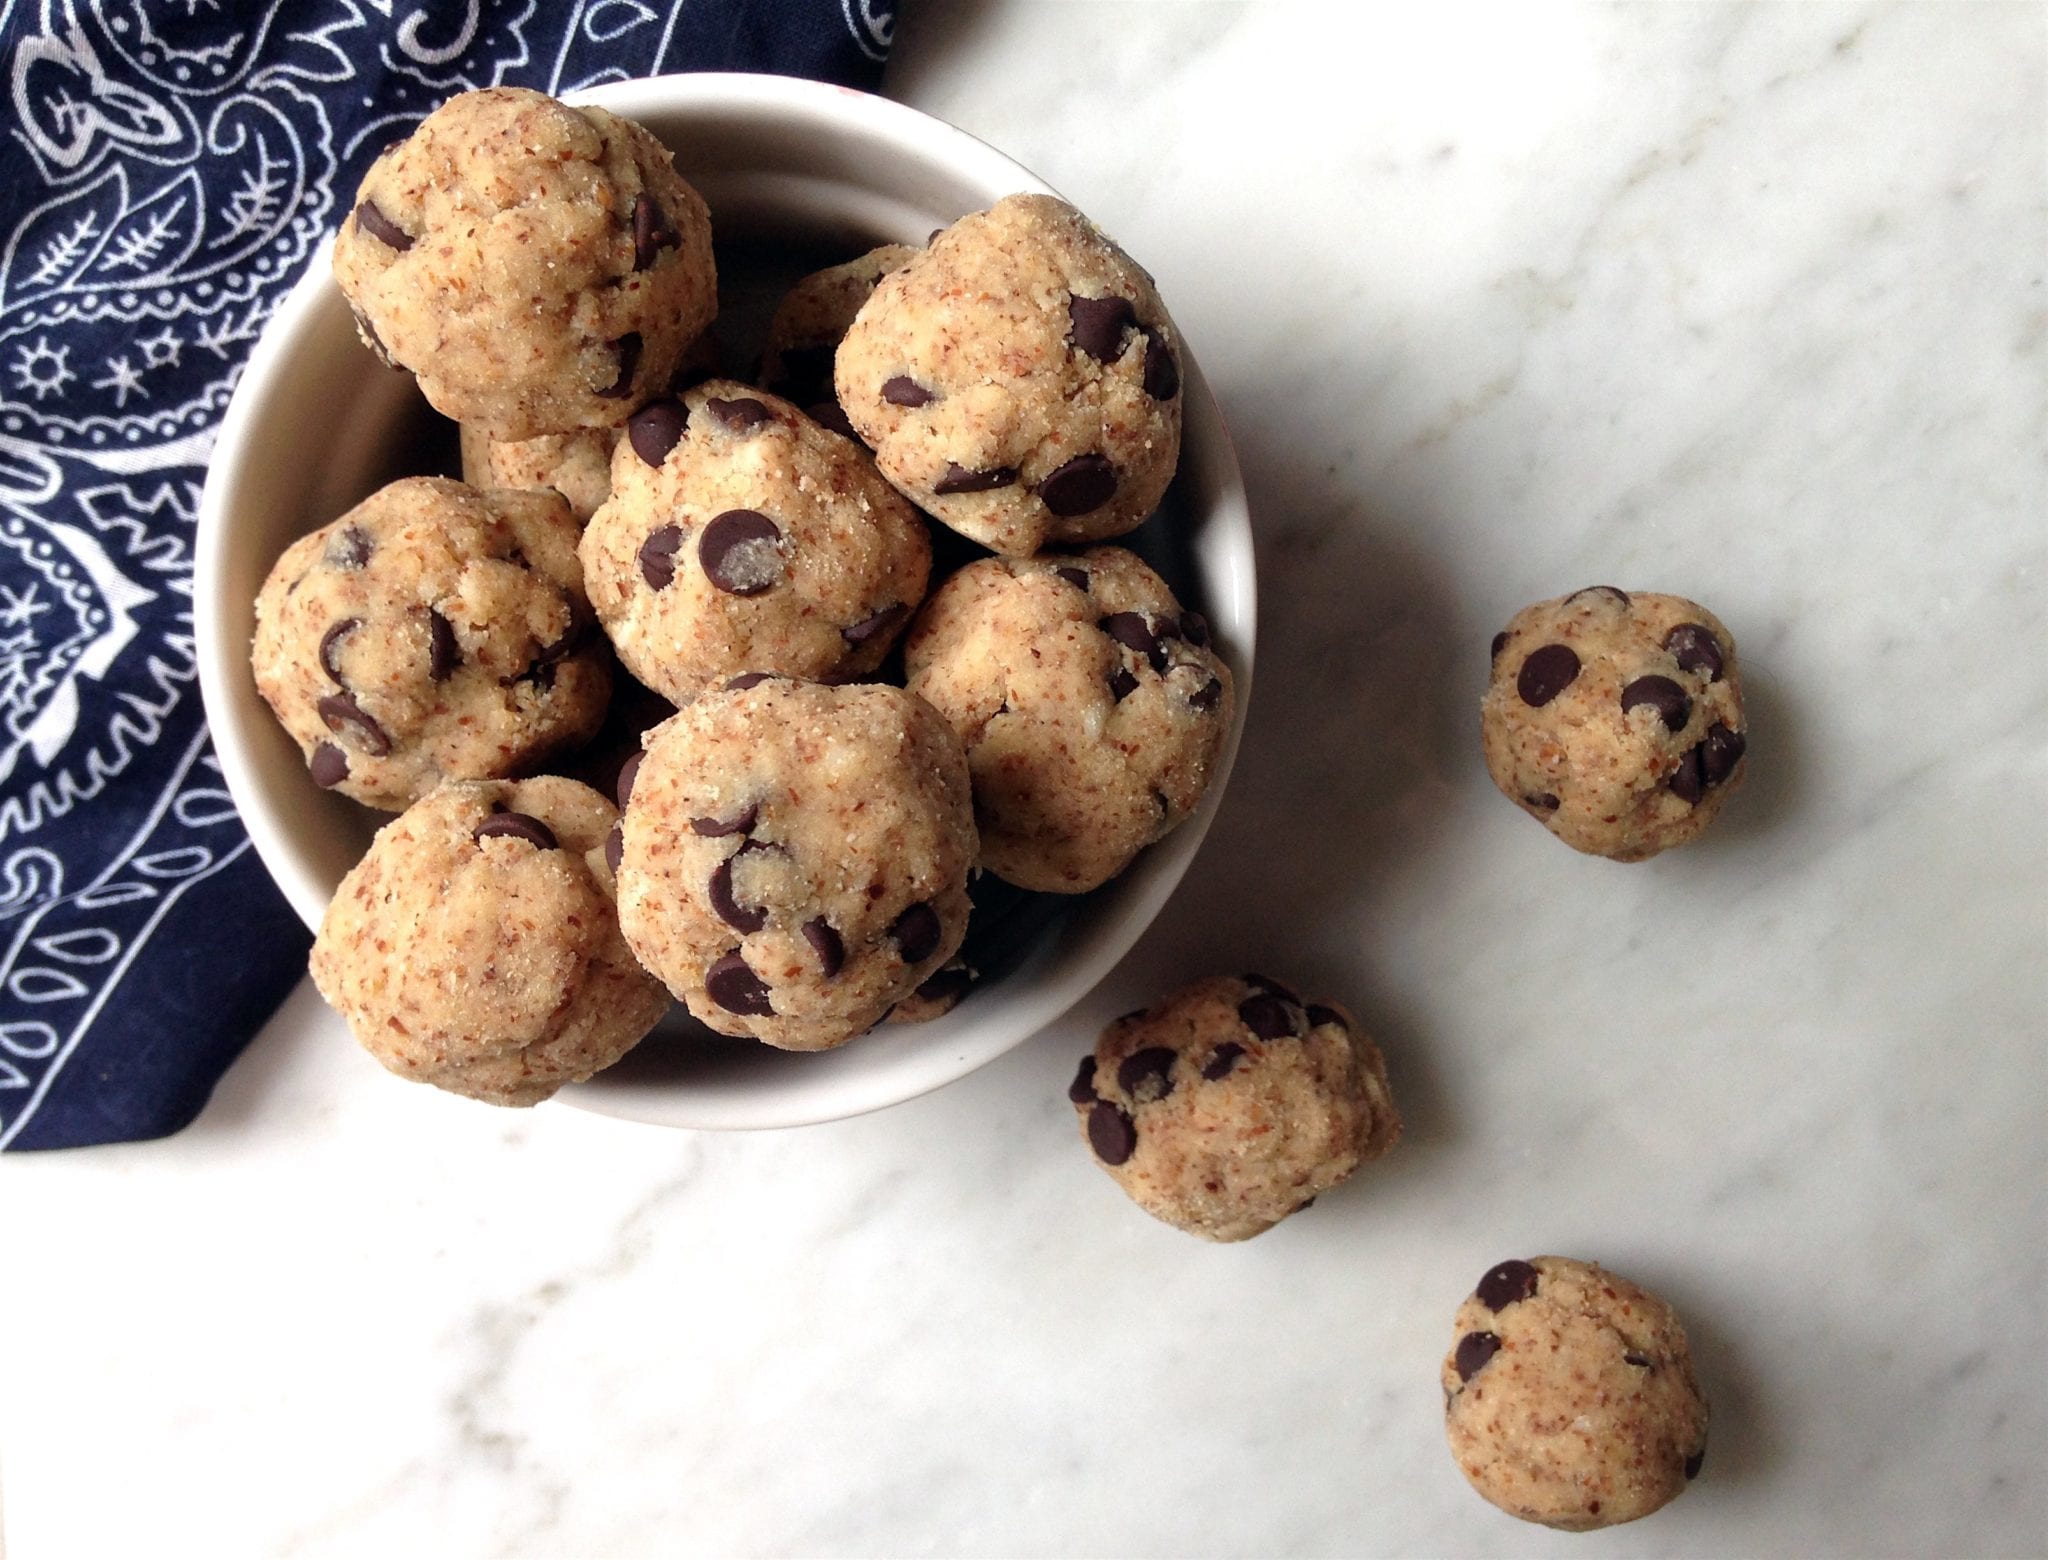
(237, 723)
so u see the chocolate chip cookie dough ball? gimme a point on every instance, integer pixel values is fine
(576, 465)
(741, 536)
(1019, 379)
(1616, 720)
(1569, 1396)
(540, 268)
(794, 857)
(813, 318)
(1091, 706)
(475, 947)
(1230, 1104)
(432, 632)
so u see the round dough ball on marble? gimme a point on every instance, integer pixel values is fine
(741, 536)
(476, 947)
(813, 318)
(540, 268)
(1019, 379)
(794, 857)
(1569, 1395)
(1092, 708)
(1230, 1104)
(433, 632)
(576, 465)
(1615, 719)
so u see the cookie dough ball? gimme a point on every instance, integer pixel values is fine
(476, 947)
(540, 268)
(1570, 1397)
(576, 465)
(1091, 706)
(813, 318)
(1230, 1104)
(1616, 719)
(741, 536)
(433, 632)
(794, 857)
(1019, 379)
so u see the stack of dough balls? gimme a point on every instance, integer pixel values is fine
(793, 844)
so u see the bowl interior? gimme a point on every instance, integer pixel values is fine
(796, 174)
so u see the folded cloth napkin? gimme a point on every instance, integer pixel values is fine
(167, 172)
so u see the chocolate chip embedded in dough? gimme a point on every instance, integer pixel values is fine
(615, 847)
(1318, 1016)
(516, 826)
(657, 428)
(717, 828)
(658, 556)
(1078, 578)
(1122, 685)
(1147, 1075)
(742, 414)
(1694, 1463)
(1278, 988)
(1194, 628)
(1208, 696)
(444, 651)
(628, 347)
(1111, 1134)
(380, 227)
(1474, 1350)
(735, 987)
(1270, 1017)
(902, 390)
(1082, 1090)
(1097, 326)
(1721, 752)
(651, 232)
(1078, 486)
(958, 479)
(1671, 702)
(878, 623)
(1546, 672)
(1640, 1361)
(1130, 630)
(827, 944)
(916, 933)
(328, 766)
(1509, 1283)
(340, 710)
(949, 983)
(1162, 373)
(629, 771)
(747, 680)
(739, 552)
(744, 918)
(1695, 649)
(1688, 781)
(350, 549)
(1221, 1060)
(1500, 643)
(1542, 801)
(330, 643)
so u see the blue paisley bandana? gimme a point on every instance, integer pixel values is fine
(168, 168)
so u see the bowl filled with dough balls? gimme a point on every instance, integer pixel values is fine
(726, 603)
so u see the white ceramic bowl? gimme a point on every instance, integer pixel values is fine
(316, 425)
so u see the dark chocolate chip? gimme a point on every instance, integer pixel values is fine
(1082, 1090)
(517, 826)
(1270, 1017)
(740, 822)
(1085, 483)
(1207, 696)
(1542, 801)
(340, 709)
(1640, 1361)
(827, 944)
(1097, 326)
(1132, 631)
(1194, 628)
(1221, 1060)
(657, 428)
(738, 552)
(1500, 643)
(1162, 373)
(1721, 752)
(736, 988)
(382, 228)
(628, 347)
(328, 766)
(1671, 702)
(958, 479)
(741, 414)
(868, 627)
(1474, 1350)
(651, 232)
(1078, 578)
(1122, 685)
(1695, 649)
(747, 680)
(1503, 1286)
(916, 933)
(1277, 988)
(1694, 1463)
(830, 414)
(628, 772)
(615, 847)
(1546, 673)
(1110, 1133)
(330, 642)
(1319, 1015)
(1619, 595)
(949, 984)
(806, 372)
(658, 557)
(444, 653)
(1147, 1075)
(350, 549)
(1688, 781)
(905, 391)
(744, 918)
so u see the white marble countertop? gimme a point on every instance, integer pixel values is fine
(1742, 303)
